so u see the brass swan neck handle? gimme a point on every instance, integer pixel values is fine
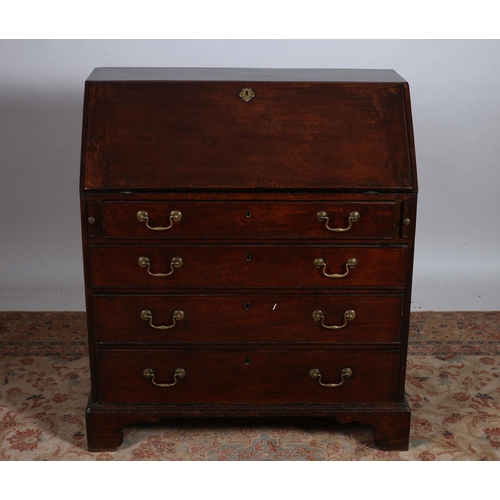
(322, 216)
(175, 263)
(318, 315)
(147, 315)
(150, 374)
(320, 263)
(143, 216)
(315, 374)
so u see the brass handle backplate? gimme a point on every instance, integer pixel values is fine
(318, 315)
(147, 315)
(175, 216)
(320, 263)
(175, 263)
(316, 375)
(150, 374)
(322, 216)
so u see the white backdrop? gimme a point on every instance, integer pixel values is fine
(456, 111)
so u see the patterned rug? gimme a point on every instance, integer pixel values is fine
(453, 388)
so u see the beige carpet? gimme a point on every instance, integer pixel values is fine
(453, 388)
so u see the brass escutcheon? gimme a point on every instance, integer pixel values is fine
(247, 93)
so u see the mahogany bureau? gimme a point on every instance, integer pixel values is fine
(248, 242)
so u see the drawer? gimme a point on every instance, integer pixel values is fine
(247, 266)
(247, 318)
(192, 220)
(252, 376)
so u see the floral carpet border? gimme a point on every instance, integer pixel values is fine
(437, 348)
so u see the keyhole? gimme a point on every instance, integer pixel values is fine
(248, 214)
(247, 305)
(247, 361)
(248, 257)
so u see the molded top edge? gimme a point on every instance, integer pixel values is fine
(246, 74)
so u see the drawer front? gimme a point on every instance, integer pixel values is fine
(230, 376)
(293, 135)
(247, 266)
(250, 318)
(330, 220)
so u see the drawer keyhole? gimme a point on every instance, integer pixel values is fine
(247, 305)
(247, 361)
(248, 214)
(248, 257)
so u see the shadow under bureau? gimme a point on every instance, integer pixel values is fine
(248, 242)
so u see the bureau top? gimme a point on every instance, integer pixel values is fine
(245, 74)
(247, 129)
